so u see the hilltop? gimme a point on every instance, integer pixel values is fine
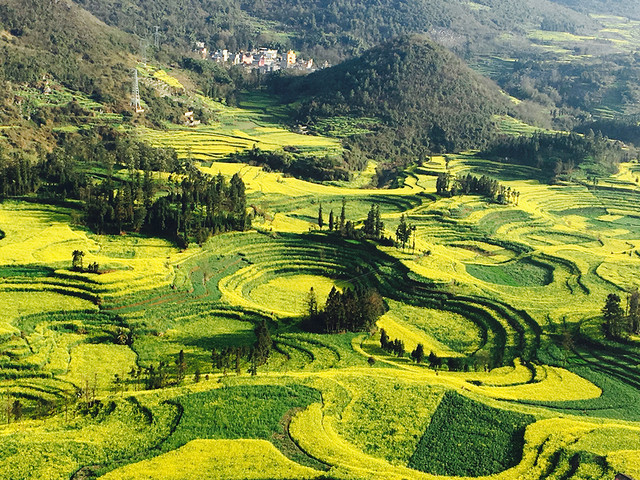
(424, 98)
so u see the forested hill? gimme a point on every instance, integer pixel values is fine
(336, 29)
(469, 27)
(629, 8)
(425, 98)
(58, 39)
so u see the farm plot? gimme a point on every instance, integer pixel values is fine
(217, 460)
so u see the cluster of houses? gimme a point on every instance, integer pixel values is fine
(263, 59)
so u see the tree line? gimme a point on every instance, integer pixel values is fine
(224, 360)
(197, 206)
(560, 154)
(418, 355)
(372, 228)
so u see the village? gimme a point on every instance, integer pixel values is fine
(263, 59)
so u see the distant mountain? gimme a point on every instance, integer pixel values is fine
(469, 27)
(337, 29)
(425, 98)
(180, 22)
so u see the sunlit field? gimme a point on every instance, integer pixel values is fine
(499, 286)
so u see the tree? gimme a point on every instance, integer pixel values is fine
(418, 353)
(442, 183)
(331, 221)
(181, 367)
(634, 311)
(238, 353)
(77, 259)
(320, 218)
(312, 303)
(434, 360)
(262, 347)
(379, 225)
(403, 231)
(384, 339)
(370, 223)
(343, 217)
(398, 347)
(614, 318)
(16, 410)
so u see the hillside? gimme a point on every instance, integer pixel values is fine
(60, 40)
(528, 47)
(336, 29)
(424, 97)
(629, 8)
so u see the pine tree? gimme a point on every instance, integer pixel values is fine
(77, 259)
(614, 318)
(181, 367)
(418, 353)
(262, 347)
(379, 226)
(320, 218)
(312, 303)
(384, 339)
(634, 311)
(403, 231)
(370, 223)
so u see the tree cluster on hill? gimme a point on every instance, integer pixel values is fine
(418, 355)
(256, 356)
(354, 310)
(231, 358)
(570, 89)
(197, 206)
(343, 28)
(628, 8)
(426, 98)
(291, 161)
(404, 230)
(448, 184)
(619, 323)
(372, 229)
(395, 346)
(218, 23)
(625, 129)
(65, 172)
(559, 154)
(335, 30)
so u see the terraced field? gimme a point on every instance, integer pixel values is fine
(507, 298)
(254, 123)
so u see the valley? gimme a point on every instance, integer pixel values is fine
(419, 263)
